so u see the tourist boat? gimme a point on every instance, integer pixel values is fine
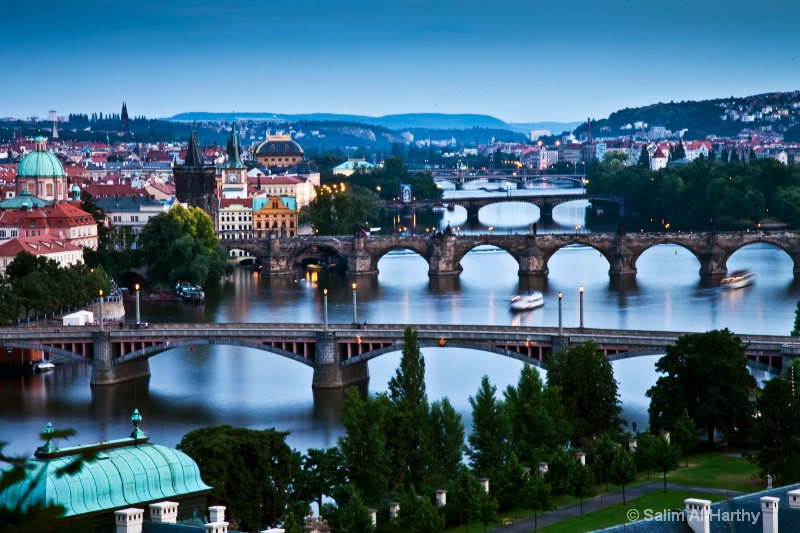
(189, 292)
(527, 300)
(314, 267)
(438, 208)
(739, 279)
(44, 366)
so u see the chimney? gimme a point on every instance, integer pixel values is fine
(698, 515)
(373, 513)
(769, 514)
(794, 499)
(542, 468)
(484, 481)
(581, 457)
(394, 507)
(129, 520)
(216, 513)
(216, 527)
(441, 498)
(631, 445)
(164, 512)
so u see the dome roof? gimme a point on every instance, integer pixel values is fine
(279, 147)
(40, 164)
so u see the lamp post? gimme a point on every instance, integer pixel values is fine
(355, 314)
(137, 303)
(560, 329)
(325, 308)
(101, 309)
(580, 290)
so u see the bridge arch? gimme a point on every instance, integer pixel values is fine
(150, 351)
(328, 250)
(380, 253)
(462, 251)
(667, 242)
(52, 350)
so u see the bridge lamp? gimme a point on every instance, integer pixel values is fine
(136, 287)
(101, 309)
(325, 308)
(580, 290)
(355, 314)
(560, 329)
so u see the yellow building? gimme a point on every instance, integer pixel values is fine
(275, 213)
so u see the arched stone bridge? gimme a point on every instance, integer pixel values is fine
(339, 354)
(545, 202)
(459, 179)
(444, 252)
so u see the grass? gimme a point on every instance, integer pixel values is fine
(656, 502)
(716, 470)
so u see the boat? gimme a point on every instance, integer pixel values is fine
(438, 208)
(44, 366)
(190, 292)
(527, 300)
(738, 279)
(314, 267)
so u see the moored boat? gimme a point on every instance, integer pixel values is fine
(738, 279)
(44, 366)
(527, 300)
(190, 292)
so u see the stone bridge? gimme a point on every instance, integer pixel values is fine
(545, 202)
(339, 354)
(443, 252)
(459, 179)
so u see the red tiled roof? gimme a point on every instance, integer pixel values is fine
(227, 202)
(98, 190)
(39, 245)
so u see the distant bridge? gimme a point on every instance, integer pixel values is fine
(460, 178)
(444, 252)
(339, 354)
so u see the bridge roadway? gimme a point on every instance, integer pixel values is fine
(459, 179)
(339, 355)
(545, 202)
(444, 252)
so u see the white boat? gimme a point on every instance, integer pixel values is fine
(189, 292)
(527, 300)
(739, 279)
(44, 366)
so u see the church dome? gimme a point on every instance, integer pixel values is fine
(281, 146)
(40, 163)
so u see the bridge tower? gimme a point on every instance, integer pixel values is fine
(327, 372)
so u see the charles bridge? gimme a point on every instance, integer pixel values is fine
(339, 353)
(444, 251)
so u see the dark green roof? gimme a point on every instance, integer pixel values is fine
(25, 200)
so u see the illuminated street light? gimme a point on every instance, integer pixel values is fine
(355, 314)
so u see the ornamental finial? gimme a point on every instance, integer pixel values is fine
(48, 446)
(136, 418)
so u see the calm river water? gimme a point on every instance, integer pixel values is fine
(206, 385)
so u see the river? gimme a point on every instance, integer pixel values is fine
(193, 387)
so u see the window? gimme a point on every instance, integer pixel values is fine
(117, 218)
(134, 218)
(2, 233)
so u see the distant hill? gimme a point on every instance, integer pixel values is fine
(555, 128)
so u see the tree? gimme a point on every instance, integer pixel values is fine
(446, 440)
(352, 514)
(293, 524)
(589, 410)
(486, 507)
(410, 410)
(322, 471)
(488, 441)
(512, 483)
(644, 454)
(679, 152)
(706, 374)
(339, 211)
(537, 497)
(181, 245)
(685, 436)
(665, 457)
(776, 430)
(796, 328)
(252, 471)
(418, 514)
(560, 475)
(644, 157)
(536, 416)
(622, 470)
(363, 445)
(582, 483)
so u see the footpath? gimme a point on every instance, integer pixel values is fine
(610, 498)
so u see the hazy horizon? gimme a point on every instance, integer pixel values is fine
(518, 61)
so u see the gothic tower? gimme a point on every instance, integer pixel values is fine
(195, 181)
(124, 127)
(234, 173)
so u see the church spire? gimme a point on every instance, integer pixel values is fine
(194, 156)
(234, 147)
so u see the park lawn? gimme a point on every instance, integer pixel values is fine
(613, 515)
(709, 470)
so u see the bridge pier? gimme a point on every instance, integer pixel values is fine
(443, 261)
(327, 372)
(105, 372)
(713, 261)
(621, 261)
(532, 261)
(472, 211)
(546, 210)
(359, 262)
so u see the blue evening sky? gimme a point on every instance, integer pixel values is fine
(518, 60)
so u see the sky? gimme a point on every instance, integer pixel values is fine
(517, 60)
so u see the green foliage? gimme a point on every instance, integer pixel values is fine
(589, 410)
(536, 417)
(292, 524)
(363, 444)
(350, 513)
(582, 483)
(391, 175)
(418, 514)
(488, 441)
(776, 431)
(252, 472)
(622, 470)
(446, 440)
(322, 471)
(538, 497)
(512, 484)
(706, 374)
(686, 436)
(665, 457)
(180, 245)
(336, 212)
(643, 456)
(560, 471)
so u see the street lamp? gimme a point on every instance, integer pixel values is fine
(580, 289)
(355, 314)
(137, 303)
(325, 308)
(560, 329)
(101, 309)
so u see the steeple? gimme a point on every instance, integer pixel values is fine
(194, 157)
(124, 127)
(234, 149)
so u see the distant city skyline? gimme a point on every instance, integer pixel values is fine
(518, 60)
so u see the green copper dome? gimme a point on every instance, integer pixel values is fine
(40, 163)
